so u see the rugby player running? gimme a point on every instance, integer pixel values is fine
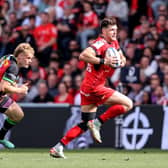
(93, 90)
(9, 69)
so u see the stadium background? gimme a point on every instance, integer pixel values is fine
(59, 30)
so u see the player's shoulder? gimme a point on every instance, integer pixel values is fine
(11, 58)
(7, 58)
(98, 43)
(8, 65)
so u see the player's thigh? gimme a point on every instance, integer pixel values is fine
(119, 98)
(89, 108)
(14, 112)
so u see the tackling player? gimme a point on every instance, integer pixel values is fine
(9, 68)
(93, 90)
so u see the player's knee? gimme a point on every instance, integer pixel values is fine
(19, 112)
(17, 116)
(15, 113)
(20, 115)
(86, 116)
(129, 104)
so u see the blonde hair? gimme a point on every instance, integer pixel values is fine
(23, 48)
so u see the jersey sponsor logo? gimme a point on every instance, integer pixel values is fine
(98, 44)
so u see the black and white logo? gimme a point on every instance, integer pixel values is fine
(164, 141)
(136, 130)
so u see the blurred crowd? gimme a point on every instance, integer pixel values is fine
(59, 30)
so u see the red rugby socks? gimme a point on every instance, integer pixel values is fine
(111, 112)
(71, 134)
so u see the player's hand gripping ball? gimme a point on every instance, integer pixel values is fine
(115, 57)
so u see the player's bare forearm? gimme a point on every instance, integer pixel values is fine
(7, 87)
(89, 56)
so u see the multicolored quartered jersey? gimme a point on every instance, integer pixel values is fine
(8, 68)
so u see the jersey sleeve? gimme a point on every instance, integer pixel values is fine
(11, 73)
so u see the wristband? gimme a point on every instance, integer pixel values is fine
(101, 61)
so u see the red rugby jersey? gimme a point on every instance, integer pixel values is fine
(94, 76)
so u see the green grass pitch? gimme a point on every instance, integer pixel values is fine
(88, 158)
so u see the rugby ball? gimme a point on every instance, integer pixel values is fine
(112, 52)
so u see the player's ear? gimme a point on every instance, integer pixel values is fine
(103, 30)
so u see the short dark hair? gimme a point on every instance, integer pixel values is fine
(108, 21)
